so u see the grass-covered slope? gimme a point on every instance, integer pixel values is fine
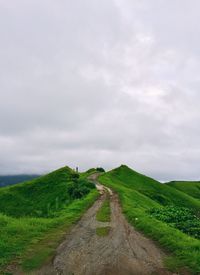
(34, 215)
(160, 193)
(44, 196)
(140, 194)
(191, 188)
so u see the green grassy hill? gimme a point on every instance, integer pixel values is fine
(156, 191)
(191, 188)
(162, 212)
(43, 196)
(36, 214)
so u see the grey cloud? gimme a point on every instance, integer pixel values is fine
(88, 83)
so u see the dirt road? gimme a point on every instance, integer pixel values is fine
(124, 251)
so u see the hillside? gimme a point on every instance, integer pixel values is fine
(150, 188)
(162, 212)
(191, 188)
(34, 215)
(13, 179)
(43, 196)
(103, 242)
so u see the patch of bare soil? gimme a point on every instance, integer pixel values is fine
(123, 252)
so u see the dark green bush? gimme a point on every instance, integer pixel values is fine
(100, 169)
(182, 218)
(75, 176)
(78, 189)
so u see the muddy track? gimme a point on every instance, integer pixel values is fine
(124, 251)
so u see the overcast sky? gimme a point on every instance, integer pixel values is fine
(100, 83)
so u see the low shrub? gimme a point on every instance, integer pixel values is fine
(100, 169)
(79, 188)
(182, 218)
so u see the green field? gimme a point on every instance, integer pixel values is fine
(140, 196)
(36, 214)
(191, 188)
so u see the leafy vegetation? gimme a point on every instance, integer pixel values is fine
(138, 194)
(36, 214)
(181, 218)
(79, 188)
(103, 231)
(100, 169)
(103, 214)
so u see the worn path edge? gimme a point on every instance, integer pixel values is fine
(124, 251)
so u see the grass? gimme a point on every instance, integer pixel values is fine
(103, 231)
(45, 249)
(44, 196)
(103, 214)
(31, 239)
(191, 188)
(181, 218)
(138, 194)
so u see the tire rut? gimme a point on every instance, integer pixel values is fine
(123, 252)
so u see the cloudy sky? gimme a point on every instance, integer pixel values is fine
(100, 83)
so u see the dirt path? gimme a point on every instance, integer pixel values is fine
(124, 251)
